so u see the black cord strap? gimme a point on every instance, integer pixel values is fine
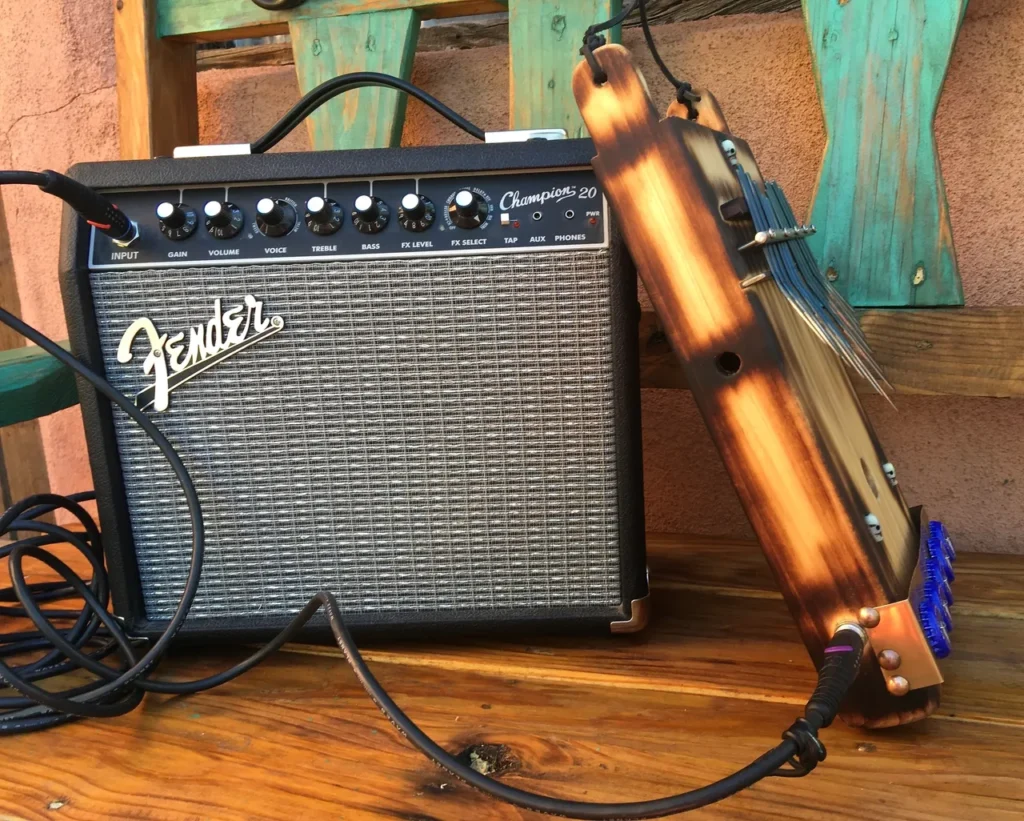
(593, 39)
(809, 750)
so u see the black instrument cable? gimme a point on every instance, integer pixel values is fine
(96, 634)
(346, 82)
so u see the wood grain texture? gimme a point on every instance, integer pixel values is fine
(880, 207)
(709, 686)
(22, 459)
(471, 32)
(961, 352)
(790, 429)
(709, 112)
(384, 41)
(544, 41)
(969, 352)
(216, 20)
(156, 85)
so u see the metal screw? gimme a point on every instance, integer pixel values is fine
(869, 617)
(831, 274)
(898, 686)
(918, 275)
(889, 660)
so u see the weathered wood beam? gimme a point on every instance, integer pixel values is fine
(214, 20)
(470, 32)
(156, 85)
(544, 38)
(880, 208)
(958, 352)
(961, 352)
(22, 458)
(326, 47)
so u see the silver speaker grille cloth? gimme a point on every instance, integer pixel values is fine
(424, 435)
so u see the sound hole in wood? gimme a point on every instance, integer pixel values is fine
(867, 475)
(728, 363)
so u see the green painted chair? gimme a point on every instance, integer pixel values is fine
(33, 384)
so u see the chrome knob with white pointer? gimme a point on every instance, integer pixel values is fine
(177, 220)
(274, 218)
(468, 209)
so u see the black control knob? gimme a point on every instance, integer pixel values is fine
(468, 209)
(223, 219)
(323, 216)
(274, 218)
(177, 220)
(370, 214)
(416, 213)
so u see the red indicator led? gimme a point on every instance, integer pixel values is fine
(593, 220)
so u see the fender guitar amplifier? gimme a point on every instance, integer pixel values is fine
(408, 376)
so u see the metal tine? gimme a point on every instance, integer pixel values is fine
(812, 276)
(807, 261)
(855, 347)
(792, 283)
(781, 270)
(830, 300)
(812, 273)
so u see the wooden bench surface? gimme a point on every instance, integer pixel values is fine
(711, 683)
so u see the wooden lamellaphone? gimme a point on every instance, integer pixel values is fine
(761, 344)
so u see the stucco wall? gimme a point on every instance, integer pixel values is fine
(964, 457)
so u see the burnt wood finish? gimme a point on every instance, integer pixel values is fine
(789, 426)
(709, 112)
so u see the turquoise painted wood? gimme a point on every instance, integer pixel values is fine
(213, 20)
(544, 44)
(33, 384)
(884, 235)
(325, 47)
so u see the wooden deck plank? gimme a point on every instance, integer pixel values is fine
(715, 608)
(700, 643)
(710, 684)
(298, 737)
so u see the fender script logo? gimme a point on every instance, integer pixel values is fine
(172, 365)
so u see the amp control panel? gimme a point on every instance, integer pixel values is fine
(319, 221)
